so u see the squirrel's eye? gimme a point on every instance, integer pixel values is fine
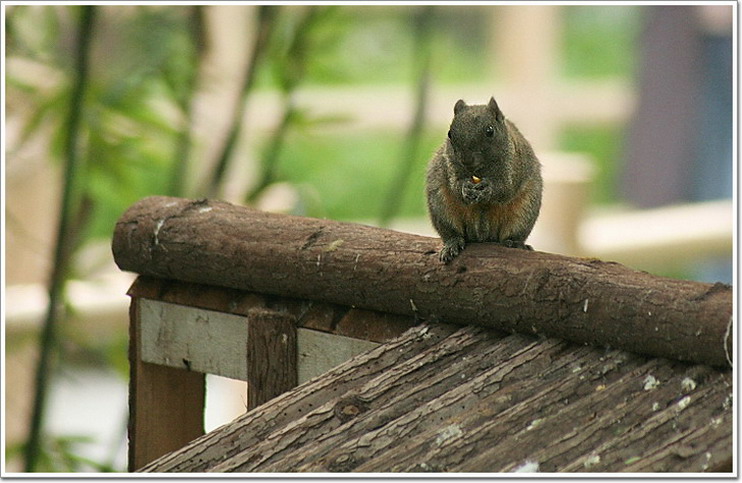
(489, 131)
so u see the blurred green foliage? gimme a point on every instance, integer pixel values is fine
(61, 454)
(129, 137)
(353, 166)
(599, 40)
(603, 143)
(143, 66)
(372, 45)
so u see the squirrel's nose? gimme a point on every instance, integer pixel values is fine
(476, 158)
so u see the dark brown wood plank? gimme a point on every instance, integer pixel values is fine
(271, 356)
(581, 300)
(198, 295)
(372, 325)
(166, 405)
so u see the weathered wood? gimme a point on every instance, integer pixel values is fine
(356, 323)
(372, 325)
(194, 339)
(271, 356)
(473, 400)
(586, 301)
(195, 327)
(220, 299)
(166, 405)
(320, 351)
(233, 438)
(327, 334)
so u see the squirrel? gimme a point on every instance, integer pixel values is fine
(484, 183)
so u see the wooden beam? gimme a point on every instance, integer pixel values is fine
(583, 300)
(355, 323)
(661, 236)
(194, 339)
(166, 405)
(249, 346)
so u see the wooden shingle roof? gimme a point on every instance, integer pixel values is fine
(470, 399)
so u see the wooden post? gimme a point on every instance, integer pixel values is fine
(166, 405)
(172, 346)
(271, 356)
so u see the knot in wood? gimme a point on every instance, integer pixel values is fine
(343, 463)
(348, 408)
(351, 410)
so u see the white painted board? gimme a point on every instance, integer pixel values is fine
(212, 342)
(318, 352)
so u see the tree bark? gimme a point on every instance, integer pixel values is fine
(582, 300)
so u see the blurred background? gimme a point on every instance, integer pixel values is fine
(327, 111)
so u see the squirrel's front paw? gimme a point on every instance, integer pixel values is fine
(451, 249)
(475, 192)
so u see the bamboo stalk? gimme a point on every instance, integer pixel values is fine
(64, 243)
(294, 71)
(424, 21)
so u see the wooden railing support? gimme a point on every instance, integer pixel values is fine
(166, 405)
(181, 331)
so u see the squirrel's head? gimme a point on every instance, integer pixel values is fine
(478, 136)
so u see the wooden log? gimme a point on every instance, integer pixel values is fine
(582, 300)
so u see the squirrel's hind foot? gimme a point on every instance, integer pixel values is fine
(516, 244)
(451, 249)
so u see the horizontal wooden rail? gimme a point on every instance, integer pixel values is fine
(583, 300)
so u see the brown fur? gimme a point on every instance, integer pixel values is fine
(504, 220)
(504, 205)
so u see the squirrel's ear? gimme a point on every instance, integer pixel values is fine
(495, 109)
(460, 104)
